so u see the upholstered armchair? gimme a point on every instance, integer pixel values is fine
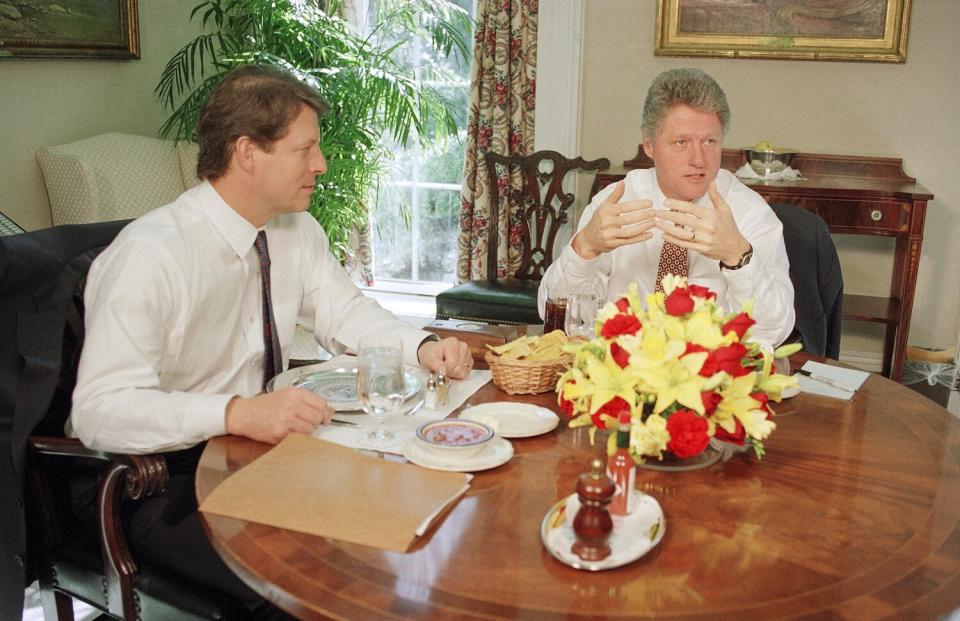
(543, 210)
(115, 176)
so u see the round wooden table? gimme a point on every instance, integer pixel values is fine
(852, 514)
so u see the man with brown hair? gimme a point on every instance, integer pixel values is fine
(191, 310)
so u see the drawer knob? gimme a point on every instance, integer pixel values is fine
(876, 215)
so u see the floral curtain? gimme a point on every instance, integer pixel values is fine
(502, 94)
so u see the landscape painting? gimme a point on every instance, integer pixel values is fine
(862, 30)
(69, 29)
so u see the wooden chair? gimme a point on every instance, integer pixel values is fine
(543, 210)
(43, 277)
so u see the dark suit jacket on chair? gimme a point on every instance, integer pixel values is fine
(817, 280)
(38, 274)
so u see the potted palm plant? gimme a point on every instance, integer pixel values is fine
(372, 94)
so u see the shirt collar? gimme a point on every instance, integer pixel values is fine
(234, 228)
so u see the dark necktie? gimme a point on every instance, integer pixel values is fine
(272, 358)
(673, 260)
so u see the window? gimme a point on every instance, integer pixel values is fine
(416, 218)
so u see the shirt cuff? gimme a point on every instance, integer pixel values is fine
(412, 342)
(578, 267)
(205, 416)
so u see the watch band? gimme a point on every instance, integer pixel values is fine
(744, 260)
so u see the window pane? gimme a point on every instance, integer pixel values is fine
(439, 213)
(392, 234)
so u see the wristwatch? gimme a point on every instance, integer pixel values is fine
(744, 259)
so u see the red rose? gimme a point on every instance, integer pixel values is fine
(710, 401)
(688, 434)
(702, 292)
(620, 355)
(729, 359)
(614, 407)
(566, 406)
(709, 365)
(679, 302)
(620, 323)
(737, 437)
(623, 305)
(739, 324)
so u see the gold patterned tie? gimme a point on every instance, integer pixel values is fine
(673, 260)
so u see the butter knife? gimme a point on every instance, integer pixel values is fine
(344, 423)
(826, 380)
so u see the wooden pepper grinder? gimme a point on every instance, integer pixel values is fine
(592, 525)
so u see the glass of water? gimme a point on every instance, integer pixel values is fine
(581, 315)
(380, 384)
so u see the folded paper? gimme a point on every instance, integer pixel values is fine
(852, 378)
(316, 487)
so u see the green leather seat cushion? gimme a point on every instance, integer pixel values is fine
(502, 301)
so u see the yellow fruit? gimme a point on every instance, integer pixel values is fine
(764, 145)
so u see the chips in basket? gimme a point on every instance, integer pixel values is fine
(533, 348)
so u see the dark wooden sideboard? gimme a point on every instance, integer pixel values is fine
(855, 196)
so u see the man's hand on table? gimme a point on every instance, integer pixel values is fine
(448, 356)
(272, 416)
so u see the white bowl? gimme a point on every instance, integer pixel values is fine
(454, 437)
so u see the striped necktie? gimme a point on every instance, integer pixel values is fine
(272, 357)
(673, 260)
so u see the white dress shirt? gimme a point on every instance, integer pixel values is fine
(174, 324)
(766, 279)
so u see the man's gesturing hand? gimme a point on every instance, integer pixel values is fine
(615, 224)
(448, 356)
(710, 231)
(272, 416)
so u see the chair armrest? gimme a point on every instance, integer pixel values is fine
(124, 476)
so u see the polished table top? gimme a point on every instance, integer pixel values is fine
(854, 513)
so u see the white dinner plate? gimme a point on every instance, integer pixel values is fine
(337, 385)
(497, 452)
(513, 420)
(790, 392)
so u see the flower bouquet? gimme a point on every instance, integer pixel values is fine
(680, 372)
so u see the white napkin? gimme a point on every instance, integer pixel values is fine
(848, 377)
(403, 427)
(746, 172)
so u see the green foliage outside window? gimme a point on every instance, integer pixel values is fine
(370, 91)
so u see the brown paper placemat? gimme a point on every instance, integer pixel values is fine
(317, 487)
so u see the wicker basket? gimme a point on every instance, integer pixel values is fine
(521, 377)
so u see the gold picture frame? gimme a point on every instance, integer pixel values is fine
(850, 30)
(89, 29)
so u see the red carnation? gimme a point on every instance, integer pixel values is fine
(614, 407)
(679, 302)
(729, 359)
(566, 405)
(623, 305)
(688, 434)
(739, 324)
(710, 401)
(709, 365)
(702, 292)
(763, 400)
(737, 437)
(620, 355)
(620, 323)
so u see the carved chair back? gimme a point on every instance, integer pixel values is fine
(539, 206)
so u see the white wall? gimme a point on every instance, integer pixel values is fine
(910, 110)
(49, 102)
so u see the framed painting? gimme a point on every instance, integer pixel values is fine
(69, 29)
(857, 30)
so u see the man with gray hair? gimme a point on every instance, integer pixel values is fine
(685, 216)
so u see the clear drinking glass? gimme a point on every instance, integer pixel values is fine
(380, 384)
(581, 315)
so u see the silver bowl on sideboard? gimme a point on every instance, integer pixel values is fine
(772, 161)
